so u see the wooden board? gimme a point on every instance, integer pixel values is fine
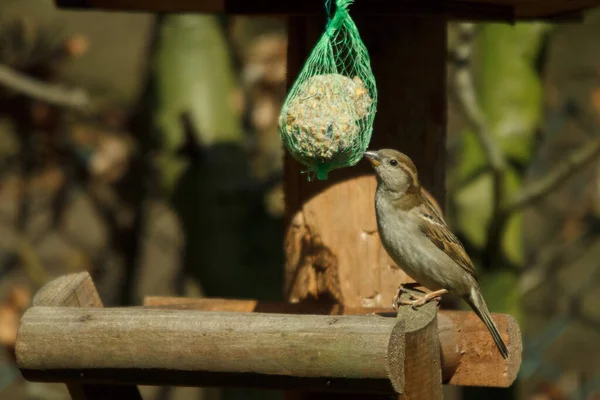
(497, 10)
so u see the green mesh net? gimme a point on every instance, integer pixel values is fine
(327, 117)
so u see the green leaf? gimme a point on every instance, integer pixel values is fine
(509, 88)
(194, 74)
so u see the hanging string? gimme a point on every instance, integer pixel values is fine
(335, 128)
(328, 10)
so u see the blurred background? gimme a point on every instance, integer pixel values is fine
(145, 150)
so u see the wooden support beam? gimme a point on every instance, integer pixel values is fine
(473, 10)
(78, 290)
(422, 367)
(138, 345)
(333, 251)
(468, 354)
(462, 9)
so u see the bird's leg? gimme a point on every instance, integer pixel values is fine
(419, 301)
(396, 302)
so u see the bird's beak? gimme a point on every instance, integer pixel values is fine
(373, 157)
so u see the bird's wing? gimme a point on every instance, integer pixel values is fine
(435, 229)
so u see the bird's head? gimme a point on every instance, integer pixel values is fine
(395, 170)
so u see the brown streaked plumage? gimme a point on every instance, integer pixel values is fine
(416, 237)
(436, 230)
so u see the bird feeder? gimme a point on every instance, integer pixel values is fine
(337, 270)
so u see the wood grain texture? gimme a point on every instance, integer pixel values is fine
(78, 290)
(73, 290)
(333, 250)
(480, 360)
(463, 337)
(492, 10)
(450, 353)
(422, 364)
(59, 343)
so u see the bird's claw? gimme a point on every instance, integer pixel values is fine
(421, 301)
(415, 301)
(396, 302)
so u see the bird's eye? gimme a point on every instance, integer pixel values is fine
(393, 163)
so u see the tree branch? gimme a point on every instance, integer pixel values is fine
(535, 191)
(555, 256)
(53, 94)
(467, 100)
(465, 92)
(503, 209)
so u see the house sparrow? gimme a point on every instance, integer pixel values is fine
(417, 238)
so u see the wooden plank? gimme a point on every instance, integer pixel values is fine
(182, 347)
(535, 9)
(78, 290)
(461, 9)
(491, 10)
(469, 356)
(480, 360)
(450, 347)
(422, 364)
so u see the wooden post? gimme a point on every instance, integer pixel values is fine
(422, 368)
(332, 247)
(333, 251)
(78, 290)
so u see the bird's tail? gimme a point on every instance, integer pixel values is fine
(477, 303)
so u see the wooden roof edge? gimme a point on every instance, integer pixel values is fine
(467, 10)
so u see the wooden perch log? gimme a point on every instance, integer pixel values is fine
(101, 353)
(468, 354)
(191, 348)
(78, 290)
